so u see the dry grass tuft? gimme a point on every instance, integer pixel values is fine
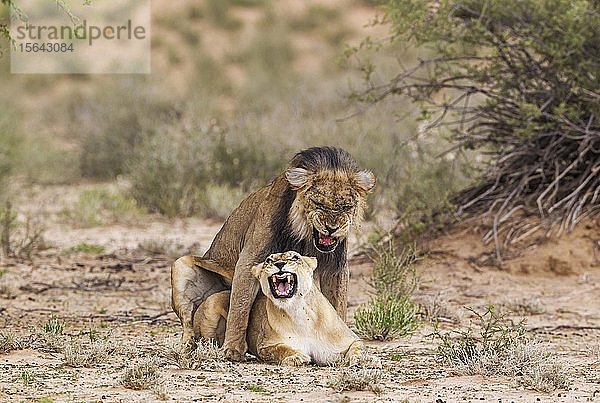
(10, 341)
(79, 354)
(20, 238)
(144, 374)
(523, 305)
(434, 308)
(497, 346)
(206, 351)
(352, 378)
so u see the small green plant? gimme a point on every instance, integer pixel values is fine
(386, 318)
(84, 247)
(145, 374)
(54, 325)
(45, 399)
(94, 334)
(498, 346)
(255, 388)
(390, 313)
(28, 378)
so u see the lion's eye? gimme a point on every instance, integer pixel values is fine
(294, 258)
(320, 205)
(346, 207)
(269, 261)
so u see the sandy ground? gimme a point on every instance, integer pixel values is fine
(122, 296)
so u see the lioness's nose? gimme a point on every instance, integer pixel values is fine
(279, 265)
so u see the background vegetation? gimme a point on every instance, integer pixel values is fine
(516, 81)
(237, 88)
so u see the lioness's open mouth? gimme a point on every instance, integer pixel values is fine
(324, 243)
(283, 284)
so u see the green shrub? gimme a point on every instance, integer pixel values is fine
(205, 171)
(390, 313)
(386, 318)
(169, 171)
(99, 206)
(517, 82)
(113, 123)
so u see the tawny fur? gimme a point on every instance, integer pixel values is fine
(289, 331)
(324, 190)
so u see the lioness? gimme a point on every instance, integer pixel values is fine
(291, 322)
(308, 208)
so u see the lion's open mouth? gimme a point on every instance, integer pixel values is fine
(283, 284)
(324, 243)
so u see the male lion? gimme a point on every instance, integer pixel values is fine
(291, 322)
(309, 208)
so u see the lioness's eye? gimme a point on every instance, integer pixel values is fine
(269, 260)
(295, 257)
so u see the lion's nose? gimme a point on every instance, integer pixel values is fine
(331, 229)
(279, 265)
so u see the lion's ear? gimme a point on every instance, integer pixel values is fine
(256, 270)
(310, 262)
(297, 177)
(364, 180)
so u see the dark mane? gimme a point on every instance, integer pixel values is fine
(313, 159)
(324, 158)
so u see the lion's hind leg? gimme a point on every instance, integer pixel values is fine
(210, 318)
(191, 284)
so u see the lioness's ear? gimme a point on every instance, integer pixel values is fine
(297, 177)
(365, 180)
(256, 269)
(310, 261)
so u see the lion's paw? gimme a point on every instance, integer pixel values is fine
(296, 360)
(232, 354)
(188, 345)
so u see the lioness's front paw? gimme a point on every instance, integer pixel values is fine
(355, 354)
(296, 360)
